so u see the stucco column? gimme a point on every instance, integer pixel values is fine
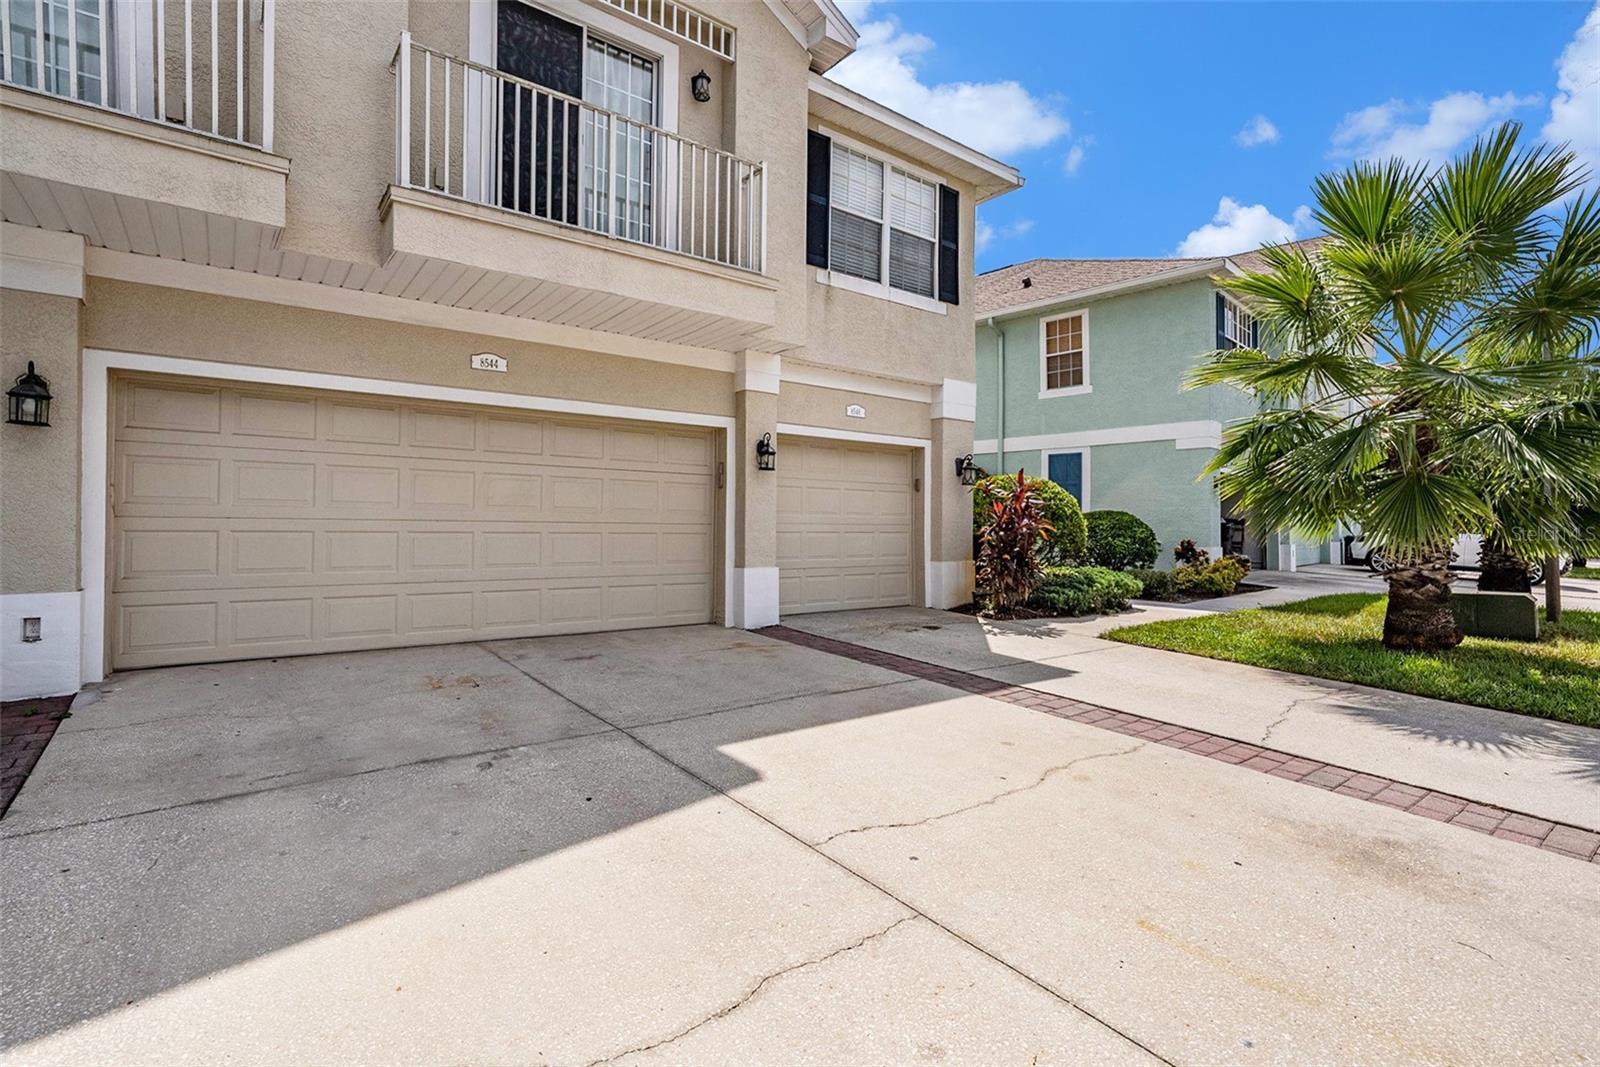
(950, 553)
(41, 290)
(755, 544)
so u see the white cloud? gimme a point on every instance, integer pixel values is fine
(1384, 130)
(1575, 111)
(1258, 131)
(1074, 160)
(983, 235)
(1239, 227)
(987, 233)
(998, 117)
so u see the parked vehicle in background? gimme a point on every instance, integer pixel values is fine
(1465, 555)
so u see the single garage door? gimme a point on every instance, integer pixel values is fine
(252, 522)
(846, 525)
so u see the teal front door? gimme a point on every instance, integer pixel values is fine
(1066, 470)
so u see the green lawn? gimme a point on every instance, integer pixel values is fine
(1557, 677)
(1586, 572)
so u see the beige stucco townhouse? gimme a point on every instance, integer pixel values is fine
(384, 324)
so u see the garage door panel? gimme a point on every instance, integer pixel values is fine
(274, 416)
(189, 409)
(287, 420)
(391, 524)
(846, 522)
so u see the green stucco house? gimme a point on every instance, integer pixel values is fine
(1081, 364)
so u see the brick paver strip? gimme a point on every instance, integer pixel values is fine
(26, 727)
(1559, 838)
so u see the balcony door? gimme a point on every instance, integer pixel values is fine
(592, 165)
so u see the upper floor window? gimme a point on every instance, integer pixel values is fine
(1065, 353)
(871, 220)
(883, 219)
(1236, 327)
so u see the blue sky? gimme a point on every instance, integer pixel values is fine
(1153, 129)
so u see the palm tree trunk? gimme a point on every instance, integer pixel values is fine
(1552, 589)
(1419, 617)
(1501, 571)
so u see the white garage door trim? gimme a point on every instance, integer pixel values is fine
(99, 363)
(922, 444)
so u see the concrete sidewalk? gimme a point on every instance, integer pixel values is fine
(1532, 765)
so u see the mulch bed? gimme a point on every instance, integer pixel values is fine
(1188, 598)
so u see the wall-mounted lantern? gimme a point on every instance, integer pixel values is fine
(700, 85)
(28, 402)
(967, 470)
(766, 453)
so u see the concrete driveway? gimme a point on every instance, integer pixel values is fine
(707, 846)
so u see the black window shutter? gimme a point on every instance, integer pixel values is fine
(819, 182)
(949, 245)
(1222, 322)
(1255, 334)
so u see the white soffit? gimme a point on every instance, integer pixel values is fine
(832, 103)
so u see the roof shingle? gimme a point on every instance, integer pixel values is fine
(1048, 279)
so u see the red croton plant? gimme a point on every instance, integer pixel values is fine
(1008, 565)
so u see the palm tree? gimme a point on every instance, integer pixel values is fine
(1412, 385)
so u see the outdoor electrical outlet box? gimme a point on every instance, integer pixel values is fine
(30, 629)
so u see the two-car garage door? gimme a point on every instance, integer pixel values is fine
(252, 522)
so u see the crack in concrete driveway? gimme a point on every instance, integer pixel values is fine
(750, 994)
(1044, 776)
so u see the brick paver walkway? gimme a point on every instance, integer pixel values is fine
(26, 727)
(1566, 840)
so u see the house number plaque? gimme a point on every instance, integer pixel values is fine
(488, 361)
(856, 411)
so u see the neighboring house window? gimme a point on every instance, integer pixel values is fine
(880, 229)
(1066, 470)
(1236, 327)
(1066, 352)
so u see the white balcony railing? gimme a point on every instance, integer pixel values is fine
(203, 65)
(486, 137)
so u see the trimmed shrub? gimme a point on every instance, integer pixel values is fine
(1066, 542)
(1155, 584)
(1119, 540)
(1084, 591)
(1218, 578)
(1008, 563)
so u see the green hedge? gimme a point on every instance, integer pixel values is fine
(1155, 584)
(1220, 577)
(1084, 591)
(1119, 540)
(1066, 544)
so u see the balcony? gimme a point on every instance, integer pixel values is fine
(582, 214)
(139, 123)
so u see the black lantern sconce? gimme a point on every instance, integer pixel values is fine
(28, 402)
(700, 86)
(967, 470)
(766, 453)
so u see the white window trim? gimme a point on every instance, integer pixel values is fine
(882, 289)
(483, 47)
(1044, 469)
(1071, 390)
(1238, 308)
